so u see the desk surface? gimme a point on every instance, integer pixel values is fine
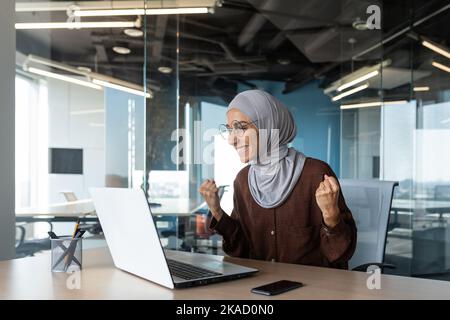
(76, 208)
(412, 204)
(85, 207)
(30, 278)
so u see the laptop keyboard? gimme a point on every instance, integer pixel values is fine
(188, 272)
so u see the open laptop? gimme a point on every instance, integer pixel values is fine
(135, 246)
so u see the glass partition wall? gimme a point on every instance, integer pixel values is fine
(403, 137)
(137, 103)
(80, 112)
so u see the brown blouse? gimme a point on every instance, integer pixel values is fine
(293, 232)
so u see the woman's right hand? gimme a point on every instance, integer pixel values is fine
(209, 192)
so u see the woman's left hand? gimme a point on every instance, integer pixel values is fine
(327, 195)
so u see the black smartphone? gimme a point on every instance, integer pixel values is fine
(278, 287)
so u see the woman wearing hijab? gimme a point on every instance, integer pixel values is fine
(287, 207)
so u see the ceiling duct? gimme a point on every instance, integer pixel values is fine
(333, 23)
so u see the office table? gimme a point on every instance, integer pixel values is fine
(61, 212)
(176, 211)
(418, 206)
(73, 210)
(31, 278)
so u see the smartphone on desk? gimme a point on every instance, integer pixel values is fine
(278, 287)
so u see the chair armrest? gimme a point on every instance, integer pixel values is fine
(22, 235)
(382, 266)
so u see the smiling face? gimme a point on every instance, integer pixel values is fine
(246, 141)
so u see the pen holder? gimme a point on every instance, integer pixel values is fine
(66, 254)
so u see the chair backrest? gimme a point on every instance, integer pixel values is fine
(370, 203)
(69, 196)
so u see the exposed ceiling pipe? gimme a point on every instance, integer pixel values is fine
(203, 25)
(281, 36)
(237, 71)
(303, 18)
(251, 29)
(228, 52)
(255, 24)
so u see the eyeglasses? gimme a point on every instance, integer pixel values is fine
(239, 128)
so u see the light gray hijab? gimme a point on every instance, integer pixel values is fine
(274, 174)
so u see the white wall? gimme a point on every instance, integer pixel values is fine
(76, 120)
(7, 80)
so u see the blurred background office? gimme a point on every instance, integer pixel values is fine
(131, 94)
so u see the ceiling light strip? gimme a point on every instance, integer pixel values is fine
(64, 78)
(440, 66)
(358, 80)
(139, 12)
(122, 88)
(349, 92)
(416, 89)
(436, 48)
(110, 5)
(371, 104)
(75, 25)
(109, 13)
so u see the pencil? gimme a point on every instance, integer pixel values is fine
(77, 225)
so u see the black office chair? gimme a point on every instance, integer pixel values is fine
(27, 248)
(370, 203)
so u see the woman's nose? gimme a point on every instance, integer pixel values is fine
(232, 138)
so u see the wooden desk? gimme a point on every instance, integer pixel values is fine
(30, 278)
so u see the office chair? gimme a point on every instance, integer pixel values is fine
(69, 196)
(370, 203)
(28, 248)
